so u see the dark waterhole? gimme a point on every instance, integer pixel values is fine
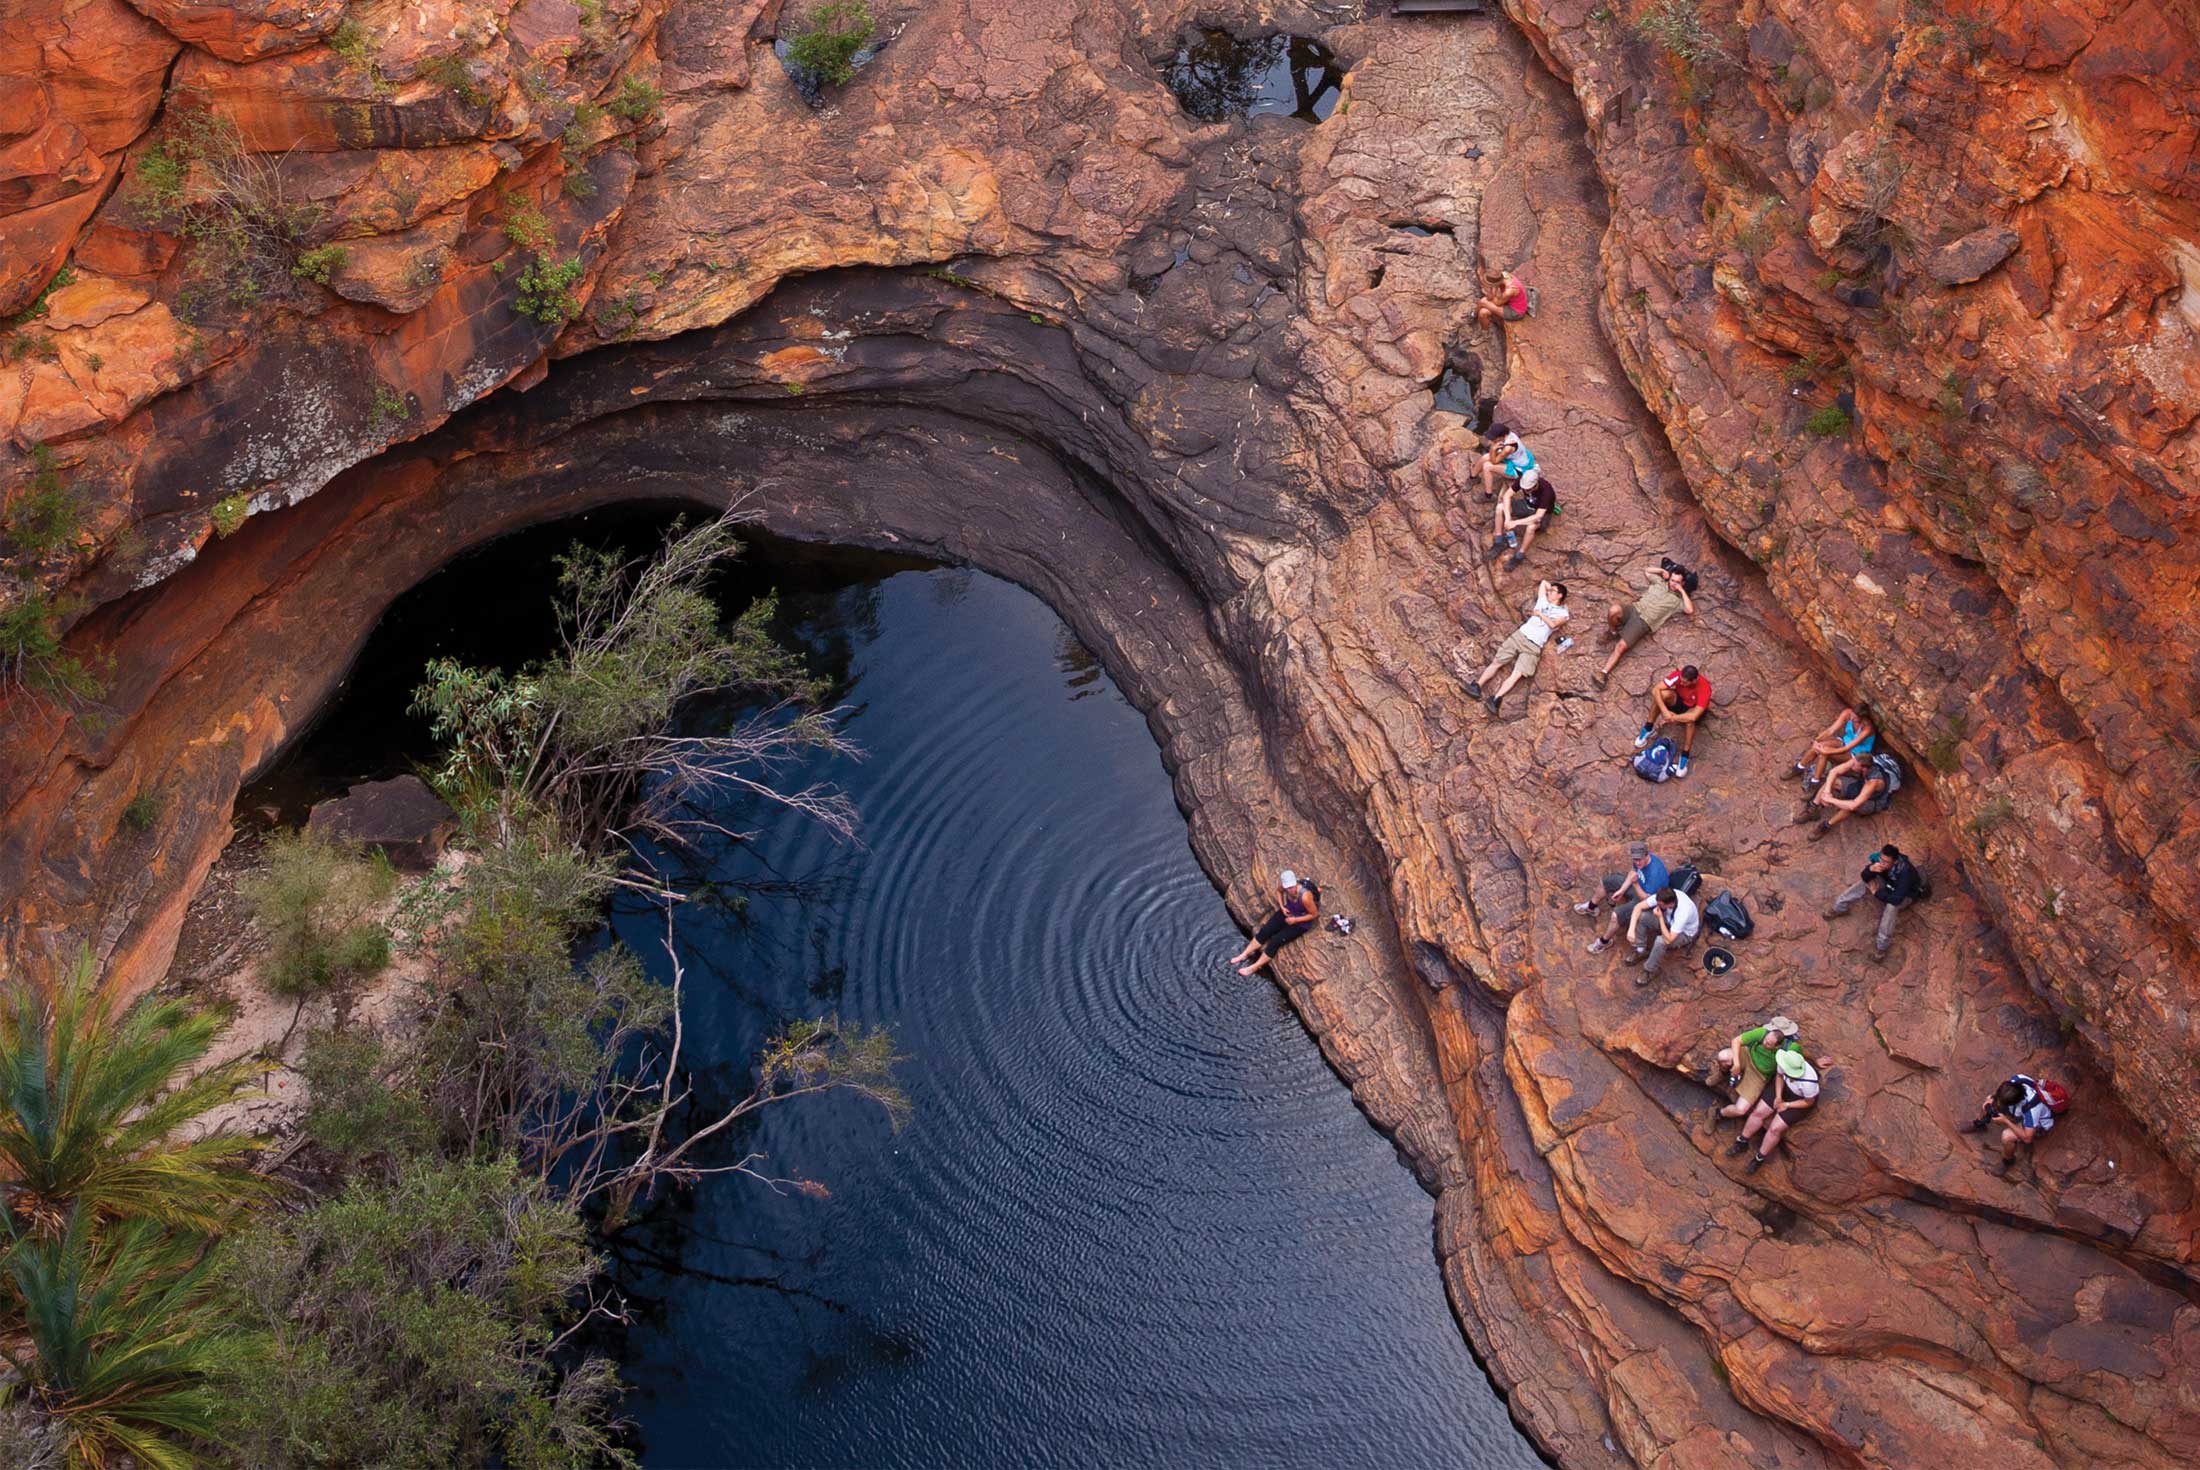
(1216, 75)
(1134, 1218)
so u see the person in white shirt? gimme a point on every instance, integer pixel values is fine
(1525, 646)
(1665, 921)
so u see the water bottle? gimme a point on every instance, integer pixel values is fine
(1565, 643)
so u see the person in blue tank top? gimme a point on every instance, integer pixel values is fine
(1847, 742)
(1506, 458)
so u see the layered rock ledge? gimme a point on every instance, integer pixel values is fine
(1175, 378)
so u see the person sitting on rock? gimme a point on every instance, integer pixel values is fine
(1681, 698)
(1645, 874)
(2023, 1114)
(1848, 740)
(1794, 1090)
(1504, 458)
(1893, 880)
(1671, 590)
(1525, 646)
(1666, 921)
(1749, 1061)
(1504, 299)
(1863, 792)
(1522, 508)
(1298, 906)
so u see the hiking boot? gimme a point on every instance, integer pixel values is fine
(1494, 703)
(1800, 770)
(1680, 767)
(1600, 677)
(1497, 549)
(1642, 737)
(1514, 560)
(1646, 977)
(1642, 951)
(1879, 954)
(1832, 913)
(2000, 1165)
(1756, 1162)
(1474, 688)
(1737, 1148)
(1586, 906)
(1976, 1125)
(1820, 830)
(1809, 813)
(1599, 945)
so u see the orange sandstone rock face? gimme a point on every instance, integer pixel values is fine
(1002, 301)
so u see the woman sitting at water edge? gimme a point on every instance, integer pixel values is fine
(1294, 915)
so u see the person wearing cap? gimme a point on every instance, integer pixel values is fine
(1889, 877)
(1506, 458)
(1298, 906)
(1522, 508)
(1749, 1060)
(1524, 648)
(1666, 921)
(1671, 590)
(1794, 1090)
(1682, 698)
(1645, 874)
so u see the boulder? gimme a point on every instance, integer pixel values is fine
(400, 817)
(1972, 255)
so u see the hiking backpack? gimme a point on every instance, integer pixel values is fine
(1654, 762)
(1685, 879)
(1888, 769)
(1534, 300)
(1730, 916)
(2054, 1094)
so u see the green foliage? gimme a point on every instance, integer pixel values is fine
(359, 1101)
(319, 263)
(1678, 27)
(388, 407)
(88, 1118)
(127, 1341)
(412, 1322)
(66, 276)
(160, 178)
(317, 903)
(1991, 816)
(455, 73)
(31, 655)
(1828, 421)
(525, 225)
(546, 290)
(143, 810)
(587, 116)
(233, 206)
(1945, 749)
(43, 519)
(826, 48)
(351, 41)
(230, 513)
(637, 101)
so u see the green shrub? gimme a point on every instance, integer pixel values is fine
(66, 276)
(230, 513)
(546, 290)
(455, 73)
(316, 903)
(389, 407)
(1828, 421)
(160, 176)
(360, 1101)
(826, 48)
(1991, 816)
(637, 100)
(143, 810)
(351, 41)
(319, 263)
(1677, 26)
(31, 655)
(44, 517)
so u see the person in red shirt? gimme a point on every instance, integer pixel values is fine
(1683, 698)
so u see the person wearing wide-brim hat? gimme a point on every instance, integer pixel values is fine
(1749, 1060)
(1794, 1092)
(1298, 905)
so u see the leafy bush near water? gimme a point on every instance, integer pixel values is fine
(827, 47)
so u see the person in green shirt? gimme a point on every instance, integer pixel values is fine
(1670, 591)
(1749, 1063)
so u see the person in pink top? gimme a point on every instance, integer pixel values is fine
(1504, 298)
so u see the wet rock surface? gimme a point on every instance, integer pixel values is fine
(1176, 377)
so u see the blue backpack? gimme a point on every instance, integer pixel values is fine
(1654, 762)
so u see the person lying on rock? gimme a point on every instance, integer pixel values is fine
(1504, 299)
(1863, 792)
(1844, 743)
(1682, 698)
(1525, 646)
(1522, 508)
(1749, 1061)
(1666, 921)
(1298, 906)
(1644, 875)
(1505, 458)
(1671, 590)
(1893, 880)
(1794, 1090)
(2023, 1114)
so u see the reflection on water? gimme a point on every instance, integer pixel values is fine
(1216, 75)
(1134, 1219)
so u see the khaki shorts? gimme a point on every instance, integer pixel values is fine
(1753, 1085)
(1634, 630)
(1525, 655)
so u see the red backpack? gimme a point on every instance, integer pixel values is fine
(2054, 1094)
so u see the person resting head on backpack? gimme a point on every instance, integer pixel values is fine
(1672, 590)
(1855, 789)
(1889, 877)
(1681, 699)
(1298, 905)
(2025, 1108)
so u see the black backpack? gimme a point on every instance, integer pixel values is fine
(1685, 879)
(1730, 916)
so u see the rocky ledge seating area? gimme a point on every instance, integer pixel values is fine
(1001, 301)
